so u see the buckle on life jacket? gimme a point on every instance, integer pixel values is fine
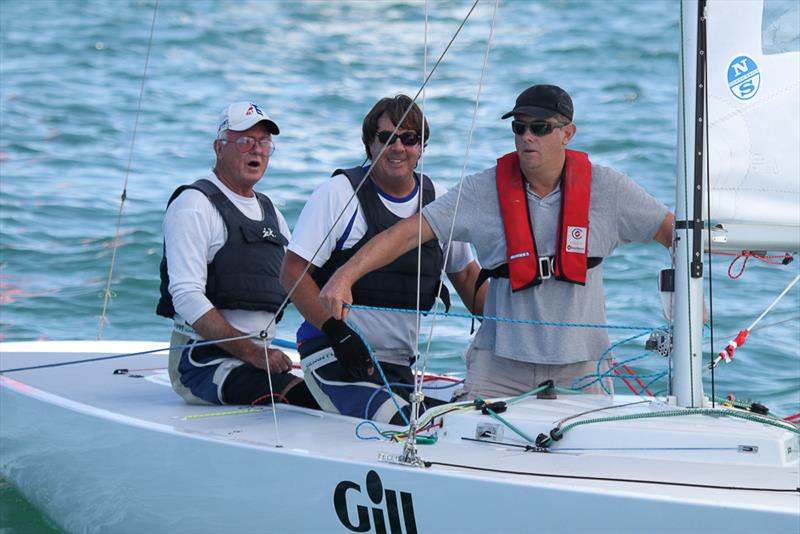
(545, 267)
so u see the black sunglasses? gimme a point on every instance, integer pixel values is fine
(407, 138)
(537, 128)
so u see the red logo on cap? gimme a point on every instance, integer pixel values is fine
(250, 110)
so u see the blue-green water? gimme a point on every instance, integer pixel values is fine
(70, 75)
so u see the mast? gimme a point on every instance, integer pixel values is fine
(687, 311)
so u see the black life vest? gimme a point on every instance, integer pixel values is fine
(244, 272)
(393, 285)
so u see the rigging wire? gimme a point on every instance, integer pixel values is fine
(461, 180)
(417, 392)
(286, 300)
(727, 353)
(115, 243)
(366, 176)
(418, 389)
(271, 393)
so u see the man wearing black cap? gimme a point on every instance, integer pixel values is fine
(223, 247)
(541, 221)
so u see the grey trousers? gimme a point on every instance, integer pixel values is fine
(491, 376)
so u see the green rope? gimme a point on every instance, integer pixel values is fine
(738, 404)
(538, 390)
(558, 433)
(508, 424)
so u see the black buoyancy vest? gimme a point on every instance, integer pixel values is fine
(244, 272)
(393, 285)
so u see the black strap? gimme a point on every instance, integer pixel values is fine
(501, 271)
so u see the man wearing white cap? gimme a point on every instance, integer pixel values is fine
(223, 248)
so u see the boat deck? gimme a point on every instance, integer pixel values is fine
(704, 458)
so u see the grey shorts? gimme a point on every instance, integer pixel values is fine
(491, 376)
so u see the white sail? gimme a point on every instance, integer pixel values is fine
(754, 123)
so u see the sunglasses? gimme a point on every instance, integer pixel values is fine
(245, 144)
(407, 138)
(537, 128)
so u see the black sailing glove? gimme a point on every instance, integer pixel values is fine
(349, 349)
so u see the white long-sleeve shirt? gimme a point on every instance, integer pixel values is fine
(193, 233)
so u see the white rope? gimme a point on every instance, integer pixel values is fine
(418, 379)
(272, 395)
(461, 180)
(774, 302)
(115, 243)
(367, 175)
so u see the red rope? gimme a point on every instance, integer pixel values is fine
(428, 378)
(785, 259)
(727, 353)
(272, 395)
(626, 382)
(638, 380)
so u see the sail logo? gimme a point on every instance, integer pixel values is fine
(386, 507)
(744, 78)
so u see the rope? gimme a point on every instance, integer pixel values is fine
(276, 342)
(416, 397)
(271, 393)
(727, 353)
(507, 319)
(380, 371)
(786, 259)
(116, 242)
(448, 248)
(291, 290)
(558, 432)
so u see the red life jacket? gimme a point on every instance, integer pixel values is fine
(570, 261)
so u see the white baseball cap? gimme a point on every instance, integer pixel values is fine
(240, 116)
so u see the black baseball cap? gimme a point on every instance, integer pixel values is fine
(542, 101)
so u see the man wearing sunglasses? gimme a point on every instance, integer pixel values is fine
(541, 221)
(223, 247)
(338, 366)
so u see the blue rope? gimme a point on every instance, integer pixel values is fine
(368, 438)
(659, 376)
(380, 370)
(505, 319)
(599, 376)
(407, 386)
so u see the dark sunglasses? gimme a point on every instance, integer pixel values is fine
(407, 138)
(537, 128)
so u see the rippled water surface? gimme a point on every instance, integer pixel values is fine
(70, 79)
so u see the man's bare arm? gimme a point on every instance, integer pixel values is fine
(306, 295)
(464, 284)
(664, 233)
(379, 251)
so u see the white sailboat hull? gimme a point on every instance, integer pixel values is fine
(100, 452)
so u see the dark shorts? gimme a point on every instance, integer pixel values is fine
(338, 392)
(213, 376)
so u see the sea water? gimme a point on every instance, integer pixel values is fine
(76, 131)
